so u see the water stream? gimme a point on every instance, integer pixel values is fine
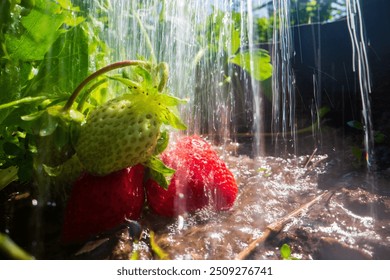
(197, 39)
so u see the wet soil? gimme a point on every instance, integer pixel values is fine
(352, 221)
(349, 223)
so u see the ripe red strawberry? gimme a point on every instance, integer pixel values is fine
(201, 179)
(97, 204)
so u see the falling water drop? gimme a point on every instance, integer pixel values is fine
(361, 65)
(283, 121)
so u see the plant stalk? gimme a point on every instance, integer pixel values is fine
(25, 100)
(108, 68)
(147, 39)
(12, 249)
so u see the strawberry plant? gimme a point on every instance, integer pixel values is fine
(45, 132)
(285, 252)
(40, 63)
(120, 133)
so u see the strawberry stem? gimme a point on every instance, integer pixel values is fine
(163, 67)
(94, 75)
(87, 92)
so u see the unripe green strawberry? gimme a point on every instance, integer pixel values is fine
(67, 173)
(121, 133)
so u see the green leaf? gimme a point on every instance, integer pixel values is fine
(5, 14)
(256, 63)
(159, 178)
(162, 143)
(235, 40)
(135, 255)
(214, 26)
(65, 65)
(170, 118)
(127, 82)
(156, 164)
(42, 28)
(323, 111)
(32, 117)
(45, 55)
(379, 137)
(285, 251)
(52, 171)
(66, 4)
(160, 253)
(265, 171)
(159, 172)
(169, 100)
(355, 124)
(7, 176)
(13, 78)
(74, 21)
(11, 249)
(143, 73)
